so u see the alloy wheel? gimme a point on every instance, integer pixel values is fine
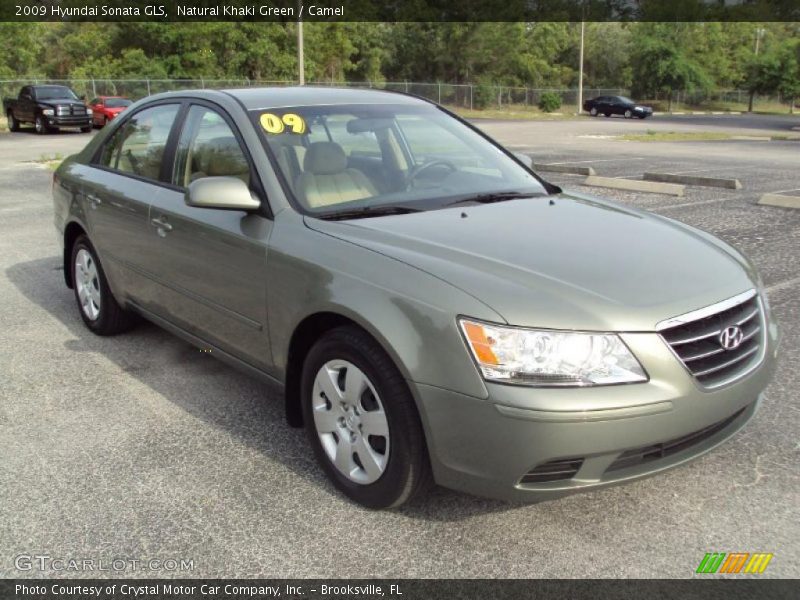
(88, 284)
(350, 421)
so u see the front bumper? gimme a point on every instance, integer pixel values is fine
(488, 446)
(57, 122)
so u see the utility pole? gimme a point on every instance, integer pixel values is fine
(580, 70)
(301, 71)
(759, 32)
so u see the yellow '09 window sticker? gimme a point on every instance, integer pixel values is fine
(287, 123)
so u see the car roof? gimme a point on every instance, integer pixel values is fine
(278, 97)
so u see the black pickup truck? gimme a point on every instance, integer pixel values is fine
(48, 107)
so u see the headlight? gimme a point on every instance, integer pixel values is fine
(89, 111)
(541, 357)
(49, 112)
(638, 108)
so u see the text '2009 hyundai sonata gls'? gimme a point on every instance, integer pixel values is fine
(432, 308)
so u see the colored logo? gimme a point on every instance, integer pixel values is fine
(734, 562)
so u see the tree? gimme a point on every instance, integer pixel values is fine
(661, 65)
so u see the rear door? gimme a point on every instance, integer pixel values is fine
(116, 191)
(210, 264)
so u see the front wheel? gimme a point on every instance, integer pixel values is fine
(13, 124)
(628, 114)
(41, 126)
(362, 421)
(98, 307)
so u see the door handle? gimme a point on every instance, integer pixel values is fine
(94, 200)
(162, 225)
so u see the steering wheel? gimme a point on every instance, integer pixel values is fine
(419, 169)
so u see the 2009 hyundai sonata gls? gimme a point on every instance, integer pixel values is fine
(433, 309)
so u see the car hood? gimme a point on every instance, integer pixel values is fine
(567, 261)
(62, 101)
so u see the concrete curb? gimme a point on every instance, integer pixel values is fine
(564, 169)
(636, 185)
(751, 138)
(779, 200)
(731, 184)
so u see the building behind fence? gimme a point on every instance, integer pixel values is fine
(461, 95)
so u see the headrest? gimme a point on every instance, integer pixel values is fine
(223, 156)
(325, 158)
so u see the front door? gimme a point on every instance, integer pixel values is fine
(210, 264)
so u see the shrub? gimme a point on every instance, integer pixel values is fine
(483, 96)
(549, 101)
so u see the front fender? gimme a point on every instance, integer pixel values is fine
(409, 312)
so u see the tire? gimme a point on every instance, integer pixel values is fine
(86, 129)
(628, 114)
(13, 124)
(394, 468)
(96, 304)
(40, 126)
(593, 112)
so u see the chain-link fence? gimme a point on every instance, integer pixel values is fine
(472, 96)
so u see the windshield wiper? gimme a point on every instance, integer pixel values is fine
(369, 211)
(490, 197)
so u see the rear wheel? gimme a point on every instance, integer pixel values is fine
(13, 124)
(593, 112)
(628, 113)
(362, 421)
(98, 307)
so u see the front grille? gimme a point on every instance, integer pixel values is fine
(646, 454)
(698, 344)
(70, 110)
(555, 470)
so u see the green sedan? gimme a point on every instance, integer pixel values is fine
(433, 310)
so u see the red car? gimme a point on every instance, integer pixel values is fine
(105, 108)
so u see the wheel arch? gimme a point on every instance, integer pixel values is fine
(72, 232)
(304, 336)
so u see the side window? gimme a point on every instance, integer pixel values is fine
(138, 146)
(208, 148)
(94, 101)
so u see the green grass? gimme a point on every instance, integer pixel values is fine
(3, 125)
(518, 112)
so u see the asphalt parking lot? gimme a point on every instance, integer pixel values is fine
(139, 446)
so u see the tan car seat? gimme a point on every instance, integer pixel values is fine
(327, 180)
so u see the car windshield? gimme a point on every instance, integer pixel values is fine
(346, 158)
(117, 102)
(52, 92)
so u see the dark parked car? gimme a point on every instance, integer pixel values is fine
(105, 108)
(47, 107)
(617, 105)
(431, 307)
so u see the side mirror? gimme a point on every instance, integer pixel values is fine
(524, 159)
(226, 193)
